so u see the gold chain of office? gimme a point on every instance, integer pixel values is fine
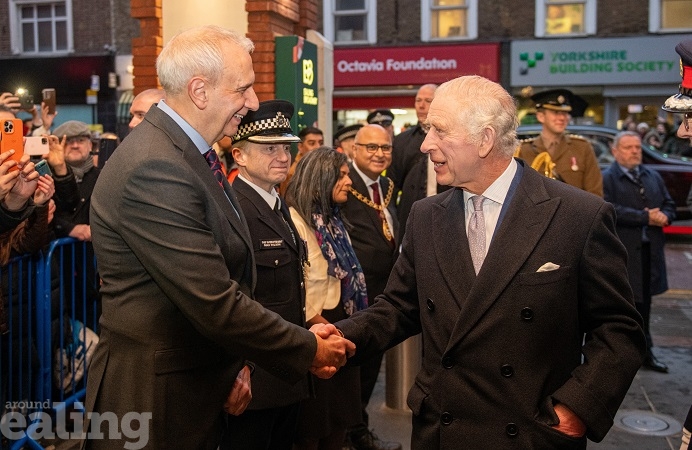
(372, 204)
(379, 208)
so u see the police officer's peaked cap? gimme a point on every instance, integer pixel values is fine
(682, 101)
(347, 132)
(382, 117)
(270, 124)
(554, 99)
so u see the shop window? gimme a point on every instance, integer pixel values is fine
(449, 19)
(670, 16)
(41, 27)
(350, 21)
(565, 18)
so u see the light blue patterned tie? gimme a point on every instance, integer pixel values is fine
(477, 233)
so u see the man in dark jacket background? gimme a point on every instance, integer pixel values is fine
(643, 207)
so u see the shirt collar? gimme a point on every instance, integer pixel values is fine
(366, 179)
(497, 191)
(269, 197)
(193, 134)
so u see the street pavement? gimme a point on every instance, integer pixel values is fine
(651, 416)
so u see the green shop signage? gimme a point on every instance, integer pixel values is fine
(573, 62)
(296, 78)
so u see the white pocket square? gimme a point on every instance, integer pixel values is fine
(547, 267)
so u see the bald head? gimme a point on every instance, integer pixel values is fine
(141, 104)
(372, 163)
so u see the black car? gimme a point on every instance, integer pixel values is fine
(675, 170)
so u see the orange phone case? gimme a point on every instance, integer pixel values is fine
(11, 138)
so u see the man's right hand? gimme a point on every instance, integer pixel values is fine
(81, 232)
(56, 155)
(332, 350)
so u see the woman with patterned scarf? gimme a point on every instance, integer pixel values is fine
(334, 289)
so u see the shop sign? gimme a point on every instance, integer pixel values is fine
(296, 78)
(390, 66)
(574, 62)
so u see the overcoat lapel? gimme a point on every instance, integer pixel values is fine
(199, 165)
(231, 209)
(452, 245)
(528, 216)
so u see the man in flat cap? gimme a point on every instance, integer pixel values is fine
(383, 118)
(345, 137)
(262, 151)
(71, 158)
(571, 158)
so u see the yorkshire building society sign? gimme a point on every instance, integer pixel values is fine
(575, 62)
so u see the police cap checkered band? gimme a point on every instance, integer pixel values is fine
(347, 132)
(270, 123)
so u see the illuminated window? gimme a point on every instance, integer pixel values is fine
(562, 17)
(41, 27)
(449, 19)
(670, 15)
(350, 21)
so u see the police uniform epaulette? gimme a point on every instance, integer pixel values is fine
(529, 139)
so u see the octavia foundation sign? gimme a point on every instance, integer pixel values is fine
(579, 62)
(387, 66)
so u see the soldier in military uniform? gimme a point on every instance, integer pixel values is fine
(573, 156)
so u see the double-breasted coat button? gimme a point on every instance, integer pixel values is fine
(276, 262)
(506, 370)
(512, 429)
(431, 304)
(446, 418)
(447, 362)
(527, 314)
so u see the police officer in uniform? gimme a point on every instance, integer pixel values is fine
(262, 150)
(573, 156)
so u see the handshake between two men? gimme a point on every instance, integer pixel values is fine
(332, 352)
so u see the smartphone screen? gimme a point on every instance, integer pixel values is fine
(11, 138)
(49, 100)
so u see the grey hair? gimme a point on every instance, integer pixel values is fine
(196, 52)
(622, 134)
(311, 186)
(484, 104)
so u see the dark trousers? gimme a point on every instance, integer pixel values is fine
(272, 428)
(369, 372)
(644, 308)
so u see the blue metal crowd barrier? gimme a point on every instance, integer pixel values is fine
(49, 296)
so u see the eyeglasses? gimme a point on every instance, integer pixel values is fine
(686, 120)
(372, 148)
